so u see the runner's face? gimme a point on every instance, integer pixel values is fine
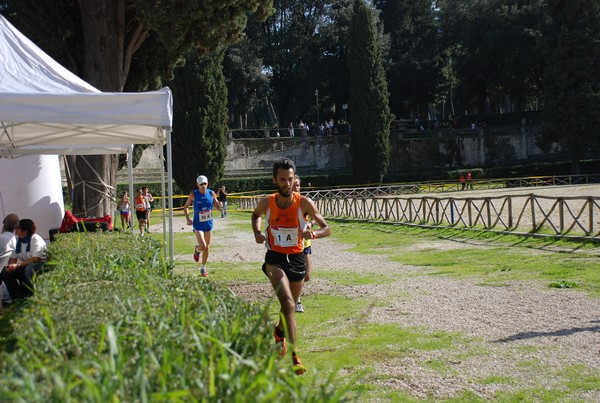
(296, 187)
(284, 181)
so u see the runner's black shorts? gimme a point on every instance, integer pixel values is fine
(293, 265)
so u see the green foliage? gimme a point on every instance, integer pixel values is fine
(246, 83)
(109, 323)
(572, 89)
(301, 47)
(494, 49)
(370, 114)
(563, 284)
(415, 58)
(199, 120)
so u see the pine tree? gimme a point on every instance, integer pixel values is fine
(199, 120)
(370, 115)
(571, 85)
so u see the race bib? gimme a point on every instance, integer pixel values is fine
(285, 237)
(204, 216)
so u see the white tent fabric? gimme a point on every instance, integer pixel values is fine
(45, 105)
(46, 109)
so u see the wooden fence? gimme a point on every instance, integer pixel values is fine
(569, 217)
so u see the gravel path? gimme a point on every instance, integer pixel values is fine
(504, 330)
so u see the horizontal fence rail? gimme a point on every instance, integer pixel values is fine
(558, 216)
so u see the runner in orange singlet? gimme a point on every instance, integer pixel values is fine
(285, 262)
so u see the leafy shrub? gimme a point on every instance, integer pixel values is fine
(109, 322)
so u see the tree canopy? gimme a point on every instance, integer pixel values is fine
(370, 114)
(572, 90)
(131, 45)
(200, 119)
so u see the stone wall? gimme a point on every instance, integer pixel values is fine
(417, 150)
(409, 150)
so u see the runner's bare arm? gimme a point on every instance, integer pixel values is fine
(216, 201)
(309, 207)
(261, 208)
(186, 207)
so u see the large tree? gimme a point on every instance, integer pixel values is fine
(414, 57)
(495, 50)
(200, 119)
(293, 49)
(247, 84)
(370, 112)
(572, 83)
(119, 45)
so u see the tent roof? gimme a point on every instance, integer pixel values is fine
(46, 109)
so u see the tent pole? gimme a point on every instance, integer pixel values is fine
(164, 199)
(130, 175)
(170, 183)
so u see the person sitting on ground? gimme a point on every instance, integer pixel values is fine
(26, 261)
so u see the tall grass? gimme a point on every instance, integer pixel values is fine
(109, 323)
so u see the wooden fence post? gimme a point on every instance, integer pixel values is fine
(533, 225)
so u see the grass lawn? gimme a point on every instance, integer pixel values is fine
(335, 339)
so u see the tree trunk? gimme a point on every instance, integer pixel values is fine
(94, 191)
(95, 176)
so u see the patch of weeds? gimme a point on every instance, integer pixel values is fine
(532, 364)
(563, 284)
(534, 394)
(366, 278)
(441, 366)
(497, 380)
(464, 397)
(581, 378)
(383, 389)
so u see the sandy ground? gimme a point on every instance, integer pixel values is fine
(503, 331)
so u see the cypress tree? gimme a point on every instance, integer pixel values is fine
(571, 84)
(370, 115)
(199, 119)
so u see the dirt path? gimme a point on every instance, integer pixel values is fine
(518, 324)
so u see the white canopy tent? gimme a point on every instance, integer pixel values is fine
(47, 110)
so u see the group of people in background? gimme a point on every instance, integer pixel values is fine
(466, 182)
(27, 251)
(326, 128)
(144, 204)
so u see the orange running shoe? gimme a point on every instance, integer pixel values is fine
(280, 339)
(299, 368)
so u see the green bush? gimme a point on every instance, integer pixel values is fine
(109, 322)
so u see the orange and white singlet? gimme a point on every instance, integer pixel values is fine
(140, 203)
(285, 226)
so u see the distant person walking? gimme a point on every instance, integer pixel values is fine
(462, 182)
(285, 261)
(124, 207)
(222, 196)
(203, 199)
(469, 180)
